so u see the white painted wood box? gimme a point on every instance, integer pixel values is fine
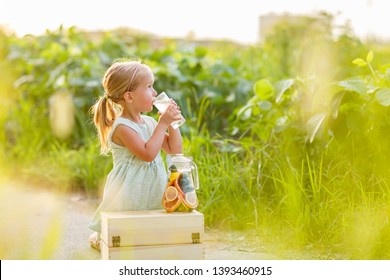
(152, 234)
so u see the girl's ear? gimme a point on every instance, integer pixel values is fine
(128, 97)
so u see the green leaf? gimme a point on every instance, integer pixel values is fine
(359, 62)
(313, 125)
(335, 103)
(281, 88)
(383, 96)
(265, 105)
(354, 84)
(23, 79)
(254, 100)
(245, 112)
(263, 89)
(371, 88)
(370, 56)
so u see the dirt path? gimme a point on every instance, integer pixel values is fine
(41, 224)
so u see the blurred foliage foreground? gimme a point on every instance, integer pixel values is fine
(291, 136)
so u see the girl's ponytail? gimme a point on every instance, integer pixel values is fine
(104, 115)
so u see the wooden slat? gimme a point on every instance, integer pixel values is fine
(163, 252)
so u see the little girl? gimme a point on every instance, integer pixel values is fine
(138, 177)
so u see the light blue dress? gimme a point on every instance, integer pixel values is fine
(132, 184)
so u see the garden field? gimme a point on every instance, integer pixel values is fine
(291, 135)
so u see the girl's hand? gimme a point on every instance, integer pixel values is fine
(171, 114)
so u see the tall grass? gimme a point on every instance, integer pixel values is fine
(295, 201)
(317, 210)
(64, 169)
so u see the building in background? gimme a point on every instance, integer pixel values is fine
(268, 22)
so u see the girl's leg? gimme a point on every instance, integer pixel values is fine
(94, 240)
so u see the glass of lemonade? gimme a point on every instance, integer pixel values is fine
(162, 102)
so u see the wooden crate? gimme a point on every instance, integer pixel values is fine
(152, 234)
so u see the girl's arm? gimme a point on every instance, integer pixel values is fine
(146, 151)
(173, 143)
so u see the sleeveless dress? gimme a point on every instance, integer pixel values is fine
(132, 184)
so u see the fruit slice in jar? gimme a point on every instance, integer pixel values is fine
(173, 176)
(191, 200)
(177, 185)
(171, 206)
(171, 193)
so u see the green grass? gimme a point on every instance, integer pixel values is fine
(295, 204)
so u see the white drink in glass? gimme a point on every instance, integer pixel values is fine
(162, 102)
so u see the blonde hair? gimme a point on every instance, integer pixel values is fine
(120, 77)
